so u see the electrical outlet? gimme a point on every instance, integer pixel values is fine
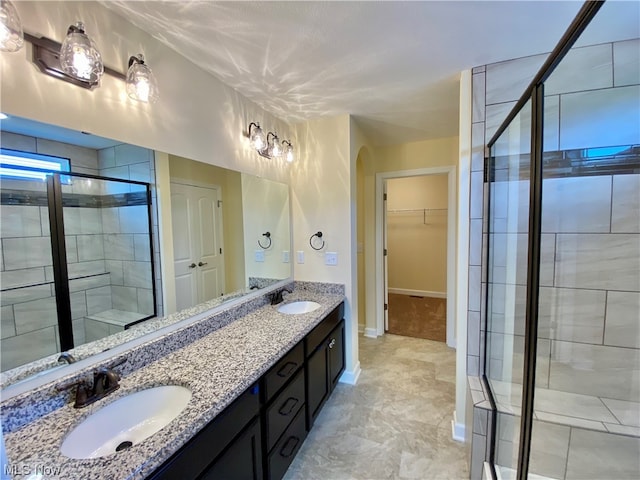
(259, 256)
(300, 256)
(331, 258)
(285, 256)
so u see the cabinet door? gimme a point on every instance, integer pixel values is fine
(317, 382)
(242, 460)
(336, 354)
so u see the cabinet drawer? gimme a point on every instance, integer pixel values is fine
(320, 332)
(284, 408)
(287, 447)
(282, 371)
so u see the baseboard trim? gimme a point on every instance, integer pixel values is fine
(417, 293)
(457, 429)
(371, 332)
(360, 328)
(350, 377)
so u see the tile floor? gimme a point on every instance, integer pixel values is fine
(394, 424)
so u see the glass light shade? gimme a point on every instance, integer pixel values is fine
(275, 150)
(11, 36)
(79, 56)
(141, 83)
(288, 152)
(257, 138)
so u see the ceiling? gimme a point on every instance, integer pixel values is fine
(393, 65)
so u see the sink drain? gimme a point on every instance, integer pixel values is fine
(123, 446)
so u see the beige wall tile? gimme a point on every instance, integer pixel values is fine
(625, 214)
(576, 204)
(622, 327)
(602, 371)
(26, 348)
(602, 455)
(583, 68)
(598, 261)
(573, 315)
(587, 117)
(626, 62)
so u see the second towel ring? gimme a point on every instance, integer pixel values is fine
(319, 235)
(268, 235)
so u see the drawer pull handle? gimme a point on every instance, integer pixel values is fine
(289, 447)
(287, 369)
(332, 343)
(291, 402)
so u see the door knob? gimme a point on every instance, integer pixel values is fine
(193, 265)
(200, 264)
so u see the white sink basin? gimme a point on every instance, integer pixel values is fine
(298, 307)
(125, 422)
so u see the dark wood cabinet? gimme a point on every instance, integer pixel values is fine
(324, 367)
(242, 460)
(220, 441)
(260, 433)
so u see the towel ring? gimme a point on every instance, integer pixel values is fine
(268, 235)
(319, 235)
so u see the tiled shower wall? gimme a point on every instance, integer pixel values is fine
(588, 222)
(590, 292)
(28, 314)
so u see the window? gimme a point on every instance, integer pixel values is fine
(27, 165)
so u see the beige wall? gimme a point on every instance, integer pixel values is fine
(409, 156)
(201, 174)
(417, 240)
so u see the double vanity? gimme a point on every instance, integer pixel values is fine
(230, 396)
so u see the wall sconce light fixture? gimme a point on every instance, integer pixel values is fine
(77, 60)
(11, 37)
(269, 146)
(79, 55)
(141, 83)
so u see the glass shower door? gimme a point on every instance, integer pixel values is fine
(506, 282)
(108, 255)
(28, 294)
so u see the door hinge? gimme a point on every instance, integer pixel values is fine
(486, 169)
(219, 203)
(220, 251)
(384, 197)
(386, 307)
(384, 252)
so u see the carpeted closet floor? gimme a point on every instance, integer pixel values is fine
(421, 317)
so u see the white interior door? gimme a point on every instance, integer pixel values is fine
(197, 241)
(182, 223)
(210, 261)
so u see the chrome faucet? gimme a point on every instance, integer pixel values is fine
(105, 381)
(276, 297)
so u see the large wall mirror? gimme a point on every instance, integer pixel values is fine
(131, 267)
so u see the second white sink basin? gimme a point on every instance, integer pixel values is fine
(125, 422)
(298, 307)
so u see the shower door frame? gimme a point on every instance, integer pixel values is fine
(535, 94)
(59, 254)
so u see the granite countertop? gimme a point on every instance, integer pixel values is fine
(217, 368)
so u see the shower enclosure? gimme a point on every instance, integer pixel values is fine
(76, 261)
(562, 351)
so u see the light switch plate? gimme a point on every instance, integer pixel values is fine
(285, 256)
(300, 256)
(331, 258)
(259, 255)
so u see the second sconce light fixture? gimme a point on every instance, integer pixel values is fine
(269, 146)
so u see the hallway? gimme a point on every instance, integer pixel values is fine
(395, 423)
